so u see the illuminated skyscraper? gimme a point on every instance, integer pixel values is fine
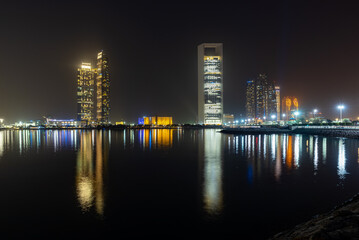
(250, 99)
(261, 99)
(210, 83)
(102, 89)
(277, 97)
(85, 92)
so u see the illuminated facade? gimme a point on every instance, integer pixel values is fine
(102, 89)
(277, 97)
(261, 98)
(250, 99)
(228, 119)
(289, 106)
(265, 97)
(157, 121)
(210, 83)
(85, 92)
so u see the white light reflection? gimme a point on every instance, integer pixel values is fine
(273, 146)
(248, 143)
(341, 159)
(236, 140)
(315, 160)
(264, 146)
(212, 195)
(284, 147)
(311, 147)
(324, 150)
(242, 144)
(296, 151)
(20, 141)
(2, 143)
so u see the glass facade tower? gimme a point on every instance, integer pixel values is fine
(250, 100)
(102, 89)
(261, 98)
(210, 84)
(85, 92)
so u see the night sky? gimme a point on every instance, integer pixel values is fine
(311, 48)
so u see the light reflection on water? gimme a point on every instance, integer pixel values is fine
(282, 148)
(259, 158)
(341, 159)
(92, 158)
(212, 183)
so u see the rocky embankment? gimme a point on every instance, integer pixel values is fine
(348, 133)
(341, 223)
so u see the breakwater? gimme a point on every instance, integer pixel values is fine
(330, 132)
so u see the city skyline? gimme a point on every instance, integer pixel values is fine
(310, 53)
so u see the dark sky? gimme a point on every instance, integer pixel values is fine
(310, 47)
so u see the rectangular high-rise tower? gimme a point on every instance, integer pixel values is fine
(210, 83)
(251, 99)
(85, 93)
(277, 97)
(102, 89)
(261, 98)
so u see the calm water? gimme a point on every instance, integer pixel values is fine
(169, 183)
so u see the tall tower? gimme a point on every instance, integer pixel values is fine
(277, 97)
(85, 92)
(265, 97)
(210, 83)
(102, 89)
(250, 99)
(261, 98)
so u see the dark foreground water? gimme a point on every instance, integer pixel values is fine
(168, 183)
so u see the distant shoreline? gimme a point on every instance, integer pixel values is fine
(339, 132)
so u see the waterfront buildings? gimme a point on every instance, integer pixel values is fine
(156, 121)
(210, 83)
(93, 91)
(261, 98)
(102, 89)
(228, 119)
(289, 106)
(62, 123)
(85, 93)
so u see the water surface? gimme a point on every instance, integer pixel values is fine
(169, 182)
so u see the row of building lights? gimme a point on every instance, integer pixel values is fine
(296, 114)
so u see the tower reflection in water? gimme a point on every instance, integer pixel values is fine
(91, 163)
(212, 182)
(280, 153)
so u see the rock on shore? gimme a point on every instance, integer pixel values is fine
(340, 223)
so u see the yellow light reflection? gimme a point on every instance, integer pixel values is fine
(91, 162)
(156, 138)
(289, 159)
(84, 174)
